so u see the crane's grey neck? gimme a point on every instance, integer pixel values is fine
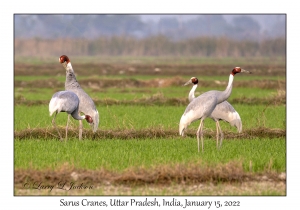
(71, 81)
(76, 116)
(192, 93)
(226, 93)
(69, 67)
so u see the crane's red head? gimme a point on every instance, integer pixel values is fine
(193, 80)
(63, 59)
(89, 119)
(239, 70)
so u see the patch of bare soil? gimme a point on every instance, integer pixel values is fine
(126, 134)
(188, 179)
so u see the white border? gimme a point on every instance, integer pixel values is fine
(148, 7)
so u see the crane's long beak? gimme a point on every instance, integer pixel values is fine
(187, 83)
(245, 71)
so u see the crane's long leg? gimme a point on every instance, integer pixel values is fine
(198, 141)
(54, 124)
(219, 133)
(222, 136)
(217, 125)
(80, 129)
(200, 132)
(67, 127)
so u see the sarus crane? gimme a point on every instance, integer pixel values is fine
(202, 106)
(223, 111)
(86, 104)
(66, 101)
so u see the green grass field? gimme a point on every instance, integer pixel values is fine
(141, 106)
(120, 154)
(138, 117)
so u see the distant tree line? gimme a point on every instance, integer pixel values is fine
(178, 27)
(150, 46)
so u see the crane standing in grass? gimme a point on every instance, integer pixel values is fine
(86, 104)
(66, 101)
(223, 111)
(202, 106)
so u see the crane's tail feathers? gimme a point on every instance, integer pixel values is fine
(240, 127)
(95, 121)
(51, 113)
(236, 121)
(238, 124)
(181, 129)
(183, 124)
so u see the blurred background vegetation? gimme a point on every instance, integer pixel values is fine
(150, 35)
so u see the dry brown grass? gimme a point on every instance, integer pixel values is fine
(103, 69)
(159, 99)
(164, 174)
(274, 100)
(100, 84)
(47, 133)
(189, 177)
(155, 99)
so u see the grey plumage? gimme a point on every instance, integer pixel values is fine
(66, 101)
(86, 104)
(203, 106)
(223, 111)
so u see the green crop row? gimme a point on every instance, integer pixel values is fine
(256, 154)
(139, 117)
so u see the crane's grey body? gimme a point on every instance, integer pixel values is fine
(203, 106)
(223, 111)
(64, 101)
(86, 104)
(200, 107)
